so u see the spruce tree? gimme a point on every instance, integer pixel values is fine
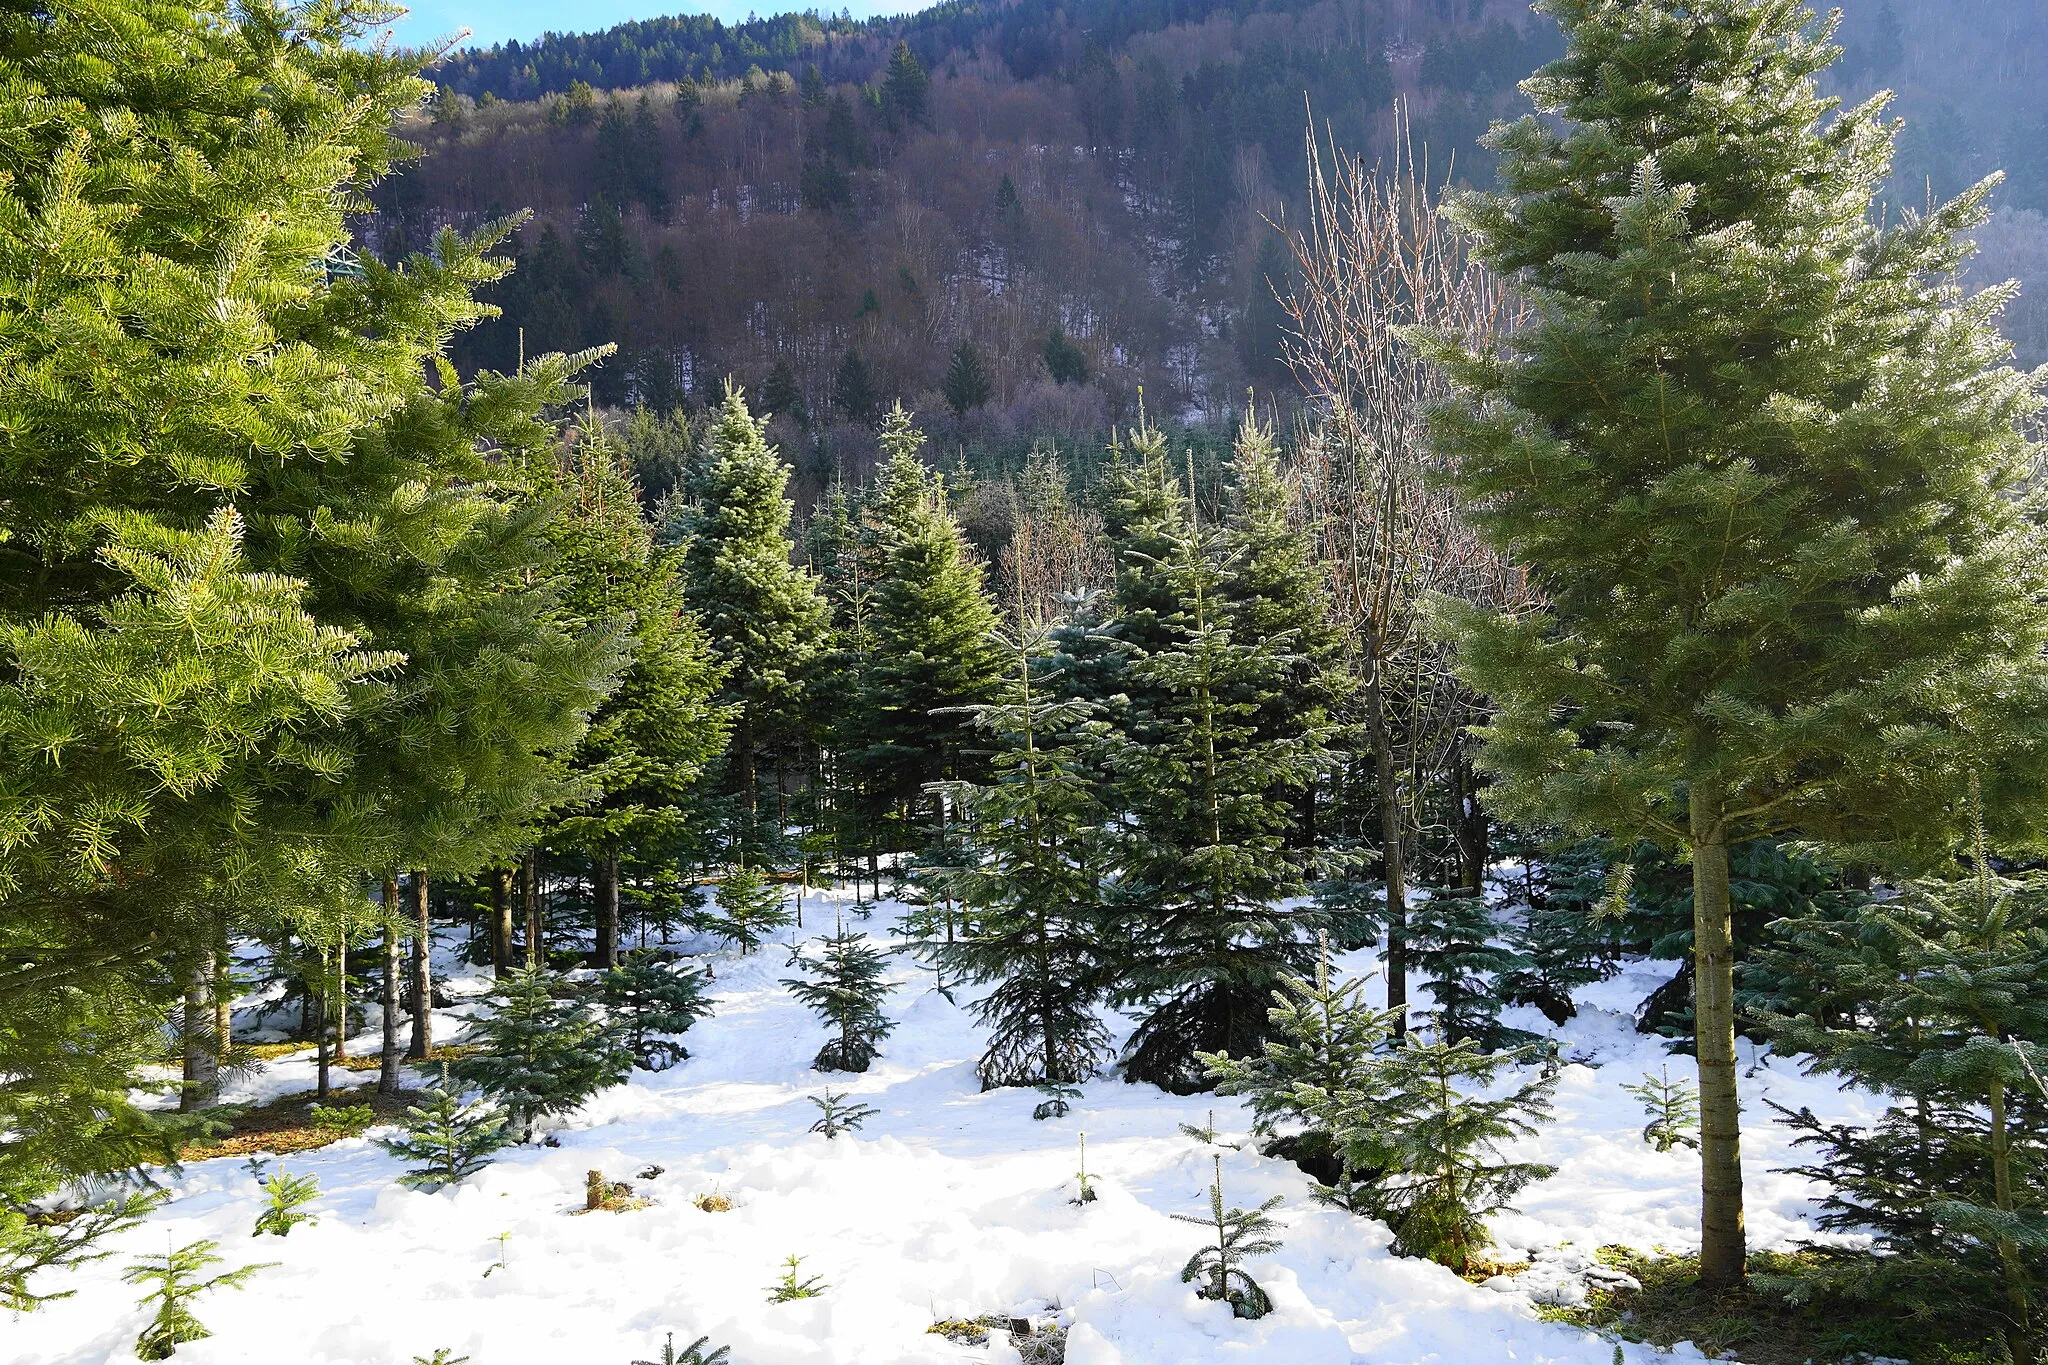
(906, 89)
(449, 1139)
(1937, 999)
(967, 385)
(853, 390)
(640, 763)
(1202, 867)
(762, 613)
(1029, 880)
(750, 907)
(1455, 941)
(1240, 1235)
(176, 1275)
(1756, 453)
(781, 396)
(540, 1055)
(845, 988)
(651, 1002)
(929, 624)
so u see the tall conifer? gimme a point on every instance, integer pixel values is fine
(1760, 459)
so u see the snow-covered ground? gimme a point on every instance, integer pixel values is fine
(950, 1203)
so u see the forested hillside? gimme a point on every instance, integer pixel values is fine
(1033, 211)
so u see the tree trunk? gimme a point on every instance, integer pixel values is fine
(530, 877)
(422, 1044)
(202, 1044)
(341, 1000)
(1468, 824)
(501, 920)
(608, 906)
(323, 1082)
(1723, 1255)
(387, 1069)
(1390, 841)
(2019, 1335)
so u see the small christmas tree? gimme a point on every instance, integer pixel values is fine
(1439, 1136)
(27, 1247)
(836, 1118)
(176, 1275)
(1059, 1099)
(650, 1001)
(696, 1352)
(1327, 1043)
(287, 1197)
(1240, 1235)
(1673, 1107)
(450, 1140)
(541, 1055)
(846, 991)
(789, 1288)
(1452, 939)
(1087, 1194)
(750, 908)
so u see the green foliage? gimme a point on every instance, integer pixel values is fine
(1065, 362)
(450, 1140)
(1430, 1125)
(906, 89)
(751, 907)
(853, 389)
(1058, 1102)
(845, 988)
(968, 384)
(1673, 1107)
(540, 1055)
(1087, 1190)
(1200, 850)
(1453, 939)
(343, 1120)
(285, 1200)
(836, 1117)
(1938, 999)
(1240, 1235)
(443, 1355)
(650, 1001)
(1027, 878)
(789, 1288)
(695, 1353)
(29, 1244)
(176, 1277)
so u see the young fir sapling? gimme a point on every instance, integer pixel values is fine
(837, 1118)
(177, 1277)
(287, 1197)
(1208, 1134)
(693, 1354)
(1452, 939)
(28, 1246)
(1673, 1107)
(1240, 1235)
(846, 990)
(449, 1140)
(650, 1002)
(750, 907)
(539, 1055)
(1087, 1194)
(789, 1288)
(443, 1355)
(1059, 1100)
(343, 1120)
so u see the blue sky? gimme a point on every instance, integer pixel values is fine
(492, 21)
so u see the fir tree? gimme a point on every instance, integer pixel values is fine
(1240, 1235)
(1673, 1107)
(1937, 999)
(540, 1055)
(1452, 938)
(651, 1003)
(835, 1117)
(781, 396)
(29, 1246)
(1202, 867)
(1438, 1145)
(967, 385)
(1754, 454)
(763, 615)
(1325, 1053)
(906, 89)
(853, 390)
(286, 1197)
(698, 1352)
(929, 624)
(845, 989)
(653, 738)
(450, 1140)
(176, 1275)
(1028, 882)
(750, 908)
(1065, 362)
(790, 1287)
